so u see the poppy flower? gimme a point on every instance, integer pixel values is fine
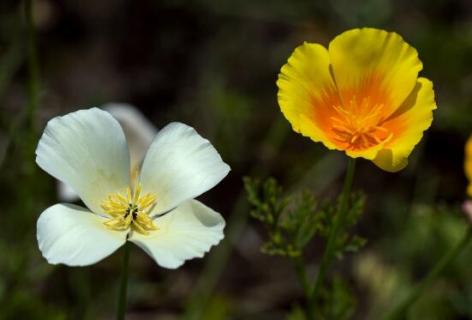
(361, 95)
(87, 150)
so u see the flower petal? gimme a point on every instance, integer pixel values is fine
(87, 150)
(369, 153)
(468, 166)
(66, 193)
(375, 63)
(74, 236)
(184, 233)
(407, 125)
(307, 91)
(139, 131)
(180, 165)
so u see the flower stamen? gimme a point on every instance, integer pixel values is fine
(130, 211)
(358, 125)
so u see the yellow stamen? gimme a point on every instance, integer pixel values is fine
(358, 125)
(130, 210)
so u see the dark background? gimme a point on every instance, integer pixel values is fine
(213, 65)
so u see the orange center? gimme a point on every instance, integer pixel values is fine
(358, 125)
(354, 118)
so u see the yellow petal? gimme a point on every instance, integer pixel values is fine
(407, 126)
(305, 88)
(468, 164)
(367, 61)
(369, 153)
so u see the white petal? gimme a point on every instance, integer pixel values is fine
(139, 131)
(87, 150)
(74, 236)
(184, 233)
(180, 165)
(66, 193)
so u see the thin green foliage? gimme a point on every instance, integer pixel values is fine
(293, 222)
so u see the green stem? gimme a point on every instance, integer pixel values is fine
(303, 279)
(124, 283)
(333, 234)
(400, 311)
(33, 69)
(301, 273)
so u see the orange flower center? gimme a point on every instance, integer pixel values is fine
(358, 124)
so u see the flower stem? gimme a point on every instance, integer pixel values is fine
(333, 234)
(400, 311)
(124, 283)
(33, 69)
(301, 274)
(300, 268)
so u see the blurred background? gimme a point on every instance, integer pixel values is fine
(213, 65)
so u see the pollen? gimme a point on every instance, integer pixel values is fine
(358, 124)
(130, 209)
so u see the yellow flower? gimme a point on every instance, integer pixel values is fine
(362, 95)
(468, 165)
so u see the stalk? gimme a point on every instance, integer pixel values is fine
(400, 311)
(120, 314)
(33, 67)
(334, 232)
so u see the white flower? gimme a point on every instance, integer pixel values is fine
(87, 150)
(139, 133)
